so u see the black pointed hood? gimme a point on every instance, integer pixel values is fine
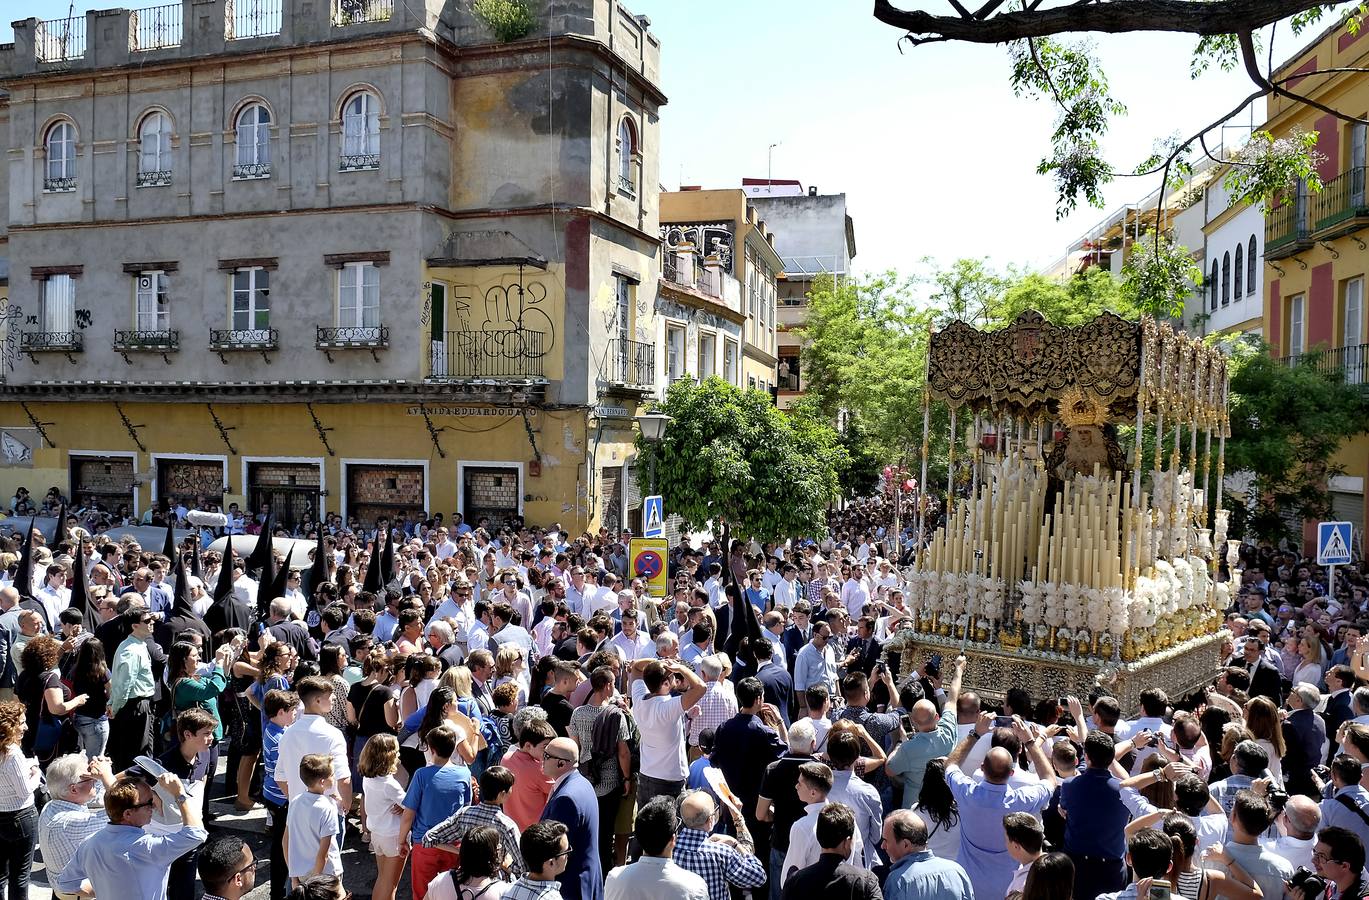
(80, 595)
(23, 576)
(260, 556)
(224, 586)
(169, 545)
(318, 572)
(372, 581)
(180, 597)
(264, 584)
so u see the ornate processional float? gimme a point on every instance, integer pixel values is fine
(1061, 564)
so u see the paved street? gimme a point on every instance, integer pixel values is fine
(357, 862)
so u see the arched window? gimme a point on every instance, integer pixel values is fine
(1240, 270)
(1212, 286)
(361, 131)
(627, 149)
(1226, 278)
(1250, 260)
(60, 145)
(254, 142)
(154, 147)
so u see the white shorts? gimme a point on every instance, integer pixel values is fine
(385, 844)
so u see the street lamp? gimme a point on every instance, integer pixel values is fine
(652, 426)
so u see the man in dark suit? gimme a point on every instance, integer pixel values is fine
(745, 745)
(573, 803)
(831, 878)
(863, 653)
(778, 685)
(1341, 682)
(289, 631)
(1304, 733)
(1265, 680)
(797, 634)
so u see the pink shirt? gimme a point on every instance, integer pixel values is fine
(525, 805)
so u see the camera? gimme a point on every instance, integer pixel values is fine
(1277, 798)
(1308, 884)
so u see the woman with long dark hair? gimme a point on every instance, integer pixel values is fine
(90, 676)
(478, 874)
(1051, 877)
(936, 805)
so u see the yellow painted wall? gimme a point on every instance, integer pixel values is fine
(359, 431)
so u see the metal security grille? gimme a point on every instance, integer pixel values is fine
(491, 493)
(611, 498)
(291, 490)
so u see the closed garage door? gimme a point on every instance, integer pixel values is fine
(1346, 507)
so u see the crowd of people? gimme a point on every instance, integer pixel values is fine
(505, 715)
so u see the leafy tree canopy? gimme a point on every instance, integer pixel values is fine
(731, 456)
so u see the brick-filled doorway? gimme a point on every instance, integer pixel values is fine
(376, 491)
(103, 480)
(189, 481)
(291, 490)
(490, 492)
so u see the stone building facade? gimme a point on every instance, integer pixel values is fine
(356, 256)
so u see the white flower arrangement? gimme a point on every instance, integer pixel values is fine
(1143, 603)
(1096, 609)
(1074, 605)
(1183, 575)
(953, 593)
(1119, 609)
(1221, 595)
(1033, 595)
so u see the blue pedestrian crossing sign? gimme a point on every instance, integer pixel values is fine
(653, 516)
(1333, 543)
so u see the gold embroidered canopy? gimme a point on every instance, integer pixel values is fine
(1025, 369)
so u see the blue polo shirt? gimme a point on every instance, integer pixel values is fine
(1097, 818)
(435, 793)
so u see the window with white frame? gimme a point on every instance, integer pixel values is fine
(1297, 336)
(60, 149)
(730, 352)
(151, 312)
(361, 132)
(154, 150)
(1240, 271)
(1352, 331)
(674, 352)
(358, 299)
(708, 351)
(251, 299)
(57, 304)
(253, 135)
(627, 151)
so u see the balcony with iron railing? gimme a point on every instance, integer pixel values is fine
(632, 364)
(1341, 207)
(60, 40)
(251, 171)
(153, 179)
(1286, 229)
(1351, 363)
(164, 342)
(352, 337)
(51, 342)
(59, 185)
(245, 19)
(357, 12)
(494, 354)
(689, 275)
(156, 27)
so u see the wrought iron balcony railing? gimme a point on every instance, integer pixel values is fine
(164, 342)
(1341, 201)
(51, 342)
(260, 340)
(156, 27)
(153, 179)
(632, 363)
(359, 162)
(488, 353)
(1285, 229)
(1351, 362)
(626, 187)
(248, 171)
(355, 12)
(251, 18)
(59, 185)
(57, 40)
(352, 337)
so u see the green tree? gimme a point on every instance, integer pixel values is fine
(1286, 424)
(1080, 299)
(730, 456)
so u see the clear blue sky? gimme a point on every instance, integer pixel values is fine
(936, 155)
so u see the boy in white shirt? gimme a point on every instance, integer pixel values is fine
(312, 826)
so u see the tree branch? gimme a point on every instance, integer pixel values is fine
(1192, 16)
(1252, 68)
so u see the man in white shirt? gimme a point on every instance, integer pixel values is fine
(54, 594)
(771, 576)
(815, 783)
(786, 591)
(854, 595)
(1154, 703)
(244, 588)
(655, 875)
(446, 547)
(575, 591)
(311, 733)
(663, 768)
(631, 643)
(1297, 832)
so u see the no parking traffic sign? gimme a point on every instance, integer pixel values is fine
(647, 560)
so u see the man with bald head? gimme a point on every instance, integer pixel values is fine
(933, 737)
(983, 804)
(574, 804)
(916, 874)
(720, 860)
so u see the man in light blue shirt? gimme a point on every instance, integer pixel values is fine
(816, 663)
(914, 873)
(1346, 792)
(934, 737)
(123, 860)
